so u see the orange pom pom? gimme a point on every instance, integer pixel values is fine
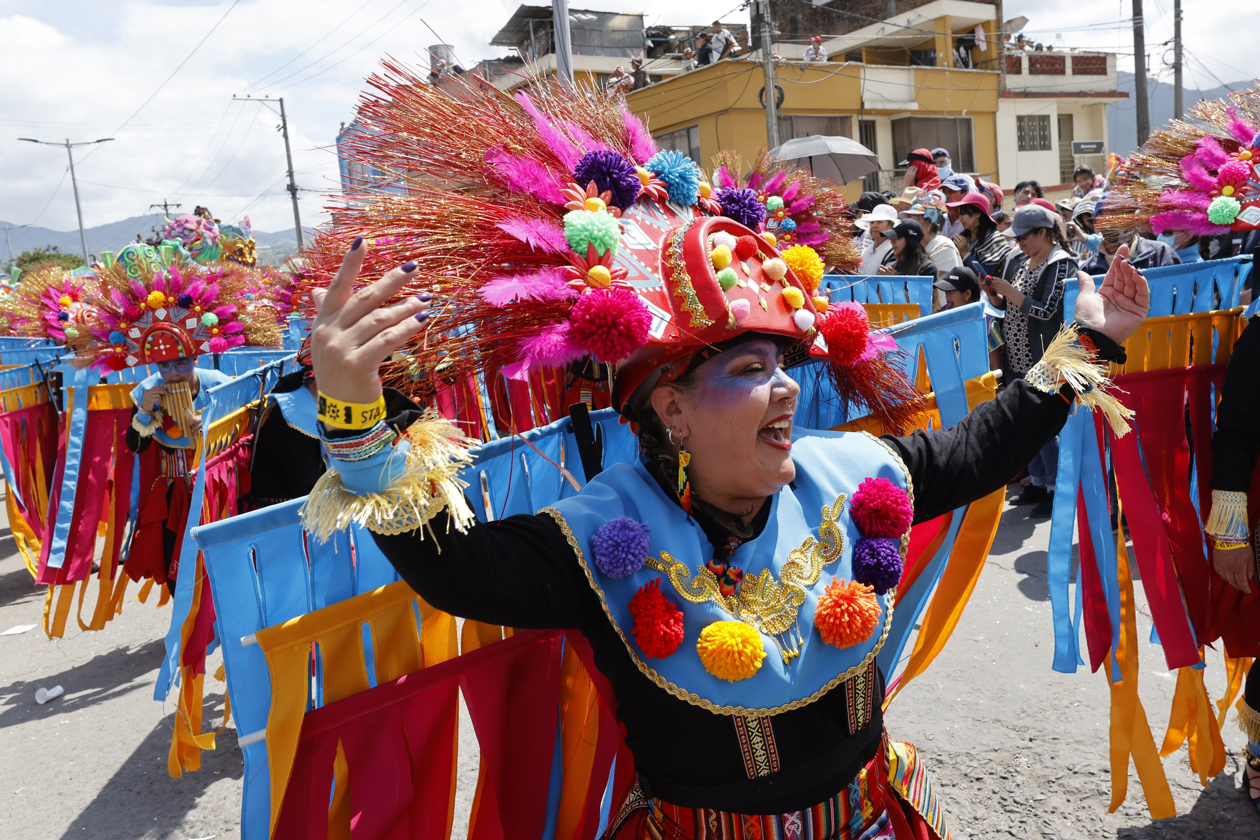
(847, 613)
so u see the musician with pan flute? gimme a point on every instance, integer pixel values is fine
(166, 316)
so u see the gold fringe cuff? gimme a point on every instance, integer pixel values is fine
(429, 485)
(147, 430)
(1067, 361)
(1249, 721)
(1228, 520)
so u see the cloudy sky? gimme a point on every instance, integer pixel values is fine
(86, 70)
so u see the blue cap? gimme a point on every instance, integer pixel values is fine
(957, 182)
(940, 153)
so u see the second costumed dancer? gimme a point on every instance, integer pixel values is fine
(736, 582)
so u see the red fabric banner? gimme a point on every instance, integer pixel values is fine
(23, 433)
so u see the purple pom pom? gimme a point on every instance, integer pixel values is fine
(741, 205)
(620, 547)
(877, 563)
(185, 301)
(63, 316)
(610, 171)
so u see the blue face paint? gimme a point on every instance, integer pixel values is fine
(752, 373)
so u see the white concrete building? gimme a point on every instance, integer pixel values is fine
(1051, 98)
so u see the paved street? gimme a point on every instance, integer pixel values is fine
(1017, 750)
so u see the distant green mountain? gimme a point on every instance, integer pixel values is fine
(1122, 115)
(273, 248)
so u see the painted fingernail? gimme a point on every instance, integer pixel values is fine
(422, 316)
(424, 297)
(354, 246)
(408, 267)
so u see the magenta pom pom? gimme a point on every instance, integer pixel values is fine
(620, 547)
(1235, 173)
(610, 324)
(881, 509)
(218, 345)
(741, 205)
(877, 563)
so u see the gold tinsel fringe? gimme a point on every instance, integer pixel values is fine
(1249, 721)
(1066, 360)
(429, 485)
(1228, 519)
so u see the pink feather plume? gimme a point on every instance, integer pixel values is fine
(584, 139)
(642, 146)
(1209, 153)
(772, 186)
(1188, 220)
(754, 180)
(555, 140)
(523, 174)
(552, 347)
(725, 179)
(544, 284)
(800, 204)
(1185, 199)
(793, 190)
(538, 234)
(1241, 132)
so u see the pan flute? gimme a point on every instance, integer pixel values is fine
(177, 403)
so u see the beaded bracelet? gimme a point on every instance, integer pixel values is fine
(1228, 545)
(362, 447)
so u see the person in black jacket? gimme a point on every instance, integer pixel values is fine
(1145, 253)
(522, 571)
(1232, 526)
(1031, 291)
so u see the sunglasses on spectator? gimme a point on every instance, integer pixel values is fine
(178, 365)
(1024, 236)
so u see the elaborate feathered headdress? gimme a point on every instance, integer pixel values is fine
(143, 311)
(1198, 175)
(49, 303)
(549, 227)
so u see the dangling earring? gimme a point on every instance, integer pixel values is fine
(684, 483)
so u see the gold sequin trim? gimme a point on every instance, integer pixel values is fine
(697, 700)
(682, 280)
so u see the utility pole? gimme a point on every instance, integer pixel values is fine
(1178, 104)
(771, 97)
(8, 228)
(1139, 75)
(166, 207)
(288, 155)
(77, 207)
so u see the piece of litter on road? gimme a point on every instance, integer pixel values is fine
(18, 628)
(211, 837)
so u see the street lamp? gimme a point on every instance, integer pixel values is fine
(78, 209)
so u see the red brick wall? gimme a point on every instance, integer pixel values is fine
(1043, 64)
(1089, 65)
(1014, 65)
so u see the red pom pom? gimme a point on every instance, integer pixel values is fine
(116, 362)
(881, 509)
(658, 624)
(610, 324)
(845, 329)
(745, 247)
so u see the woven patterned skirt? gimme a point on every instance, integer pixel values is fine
(890, 799)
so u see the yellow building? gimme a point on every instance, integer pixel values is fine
(890, 110)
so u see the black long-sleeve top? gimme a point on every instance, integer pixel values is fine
(1237, 438)
(521, 572)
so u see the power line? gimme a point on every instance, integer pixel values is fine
(173, 72)
(322, 38)
(56, 190)
(275, 85)
(360, 49)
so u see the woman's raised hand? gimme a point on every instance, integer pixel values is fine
(354, 331)
(1119, 305)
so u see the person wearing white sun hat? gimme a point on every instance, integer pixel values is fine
(879, 250)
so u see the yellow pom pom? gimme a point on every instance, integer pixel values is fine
(596, 204)
(1227, 190)
(821, 304)
(644, 175)
(730, 650)
(156, 300)
(705, 189)
(769, 237)
(721, 257)
(805, 264)
(793, 297)
(1244, 155)
(599, 276)
(64, 300)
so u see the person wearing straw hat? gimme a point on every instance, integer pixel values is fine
(734, 580)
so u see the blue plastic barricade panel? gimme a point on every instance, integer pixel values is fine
(883, 288)
(236, 362)
(1181, 289)
(263, 571)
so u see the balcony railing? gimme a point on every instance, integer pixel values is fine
(1055, 64)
